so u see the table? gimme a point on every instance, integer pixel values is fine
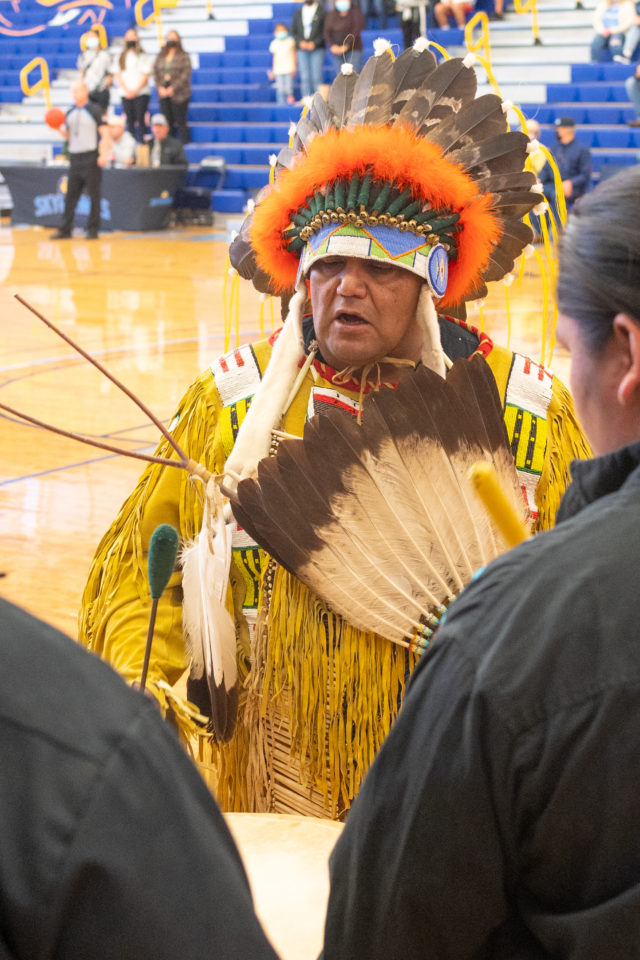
(133, 198)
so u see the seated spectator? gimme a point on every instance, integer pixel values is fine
(631, 40)
(283, 65)
(632, 84)
(574, 163)
(458, 9)
(132, 76)
(164, 150)
(536, 160)
(121, 148)
(112, 844)
(342, 35)
(94, 64)
(172, 74)
(611, 21)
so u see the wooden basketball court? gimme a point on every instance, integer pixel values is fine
(150, 307)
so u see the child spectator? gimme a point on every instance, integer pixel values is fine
(283, 50)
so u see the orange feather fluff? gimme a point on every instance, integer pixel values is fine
(393, 154)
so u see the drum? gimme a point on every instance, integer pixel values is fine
(286, 859)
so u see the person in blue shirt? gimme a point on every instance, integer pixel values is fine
(574, 163)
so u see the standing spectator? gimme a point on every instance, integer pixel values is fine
(611, 21)
(83, 126)
(632, 84)
(165, 151)
(134, 67)
(94, 65)
(342, 34)
(121, 148)
(172, 74)
(409, 17)
(458, 9)
(374, 8)
(283, 69)
(573, 160)
(307, 29)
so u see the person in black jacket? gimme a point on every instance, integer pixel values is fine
(307, 29)
(165, 151)
(500, 818)
(113, 847)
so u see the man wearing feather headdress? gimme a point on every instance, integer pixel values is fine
(400, 193)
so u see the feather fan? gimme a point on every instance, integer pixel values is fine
(209, 628)
(388, 528)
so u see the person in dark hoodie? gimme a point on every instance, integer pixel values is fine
(500, 817)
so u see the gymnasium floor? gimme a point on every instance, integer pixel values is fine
(150, 307)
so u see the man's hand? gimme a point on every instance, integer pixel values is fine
(307, 45)
(567, 186)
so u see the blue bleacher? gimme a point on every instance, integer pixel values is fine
(234, 115)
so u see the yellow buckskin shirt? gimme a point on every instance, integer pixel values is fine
(318, 696)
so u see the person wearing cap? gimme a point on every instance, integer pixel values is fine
(122, 146)
(164, 150)
(369, 229)
(573, 160)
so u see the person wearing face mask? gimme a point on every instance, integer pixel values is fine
(283, 50)
(132, 76)
(172, 74)
(342, 34)
(94, 65)
(307, 29)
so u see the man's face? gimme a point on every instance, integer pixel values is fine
(80, 96)
(159, 131)
(116, 130)
(566, 134)
(364, 310)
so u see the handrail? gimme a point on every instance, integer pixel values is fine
(156, 14)
(41, 84)
(482, 20)
(524, 6)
